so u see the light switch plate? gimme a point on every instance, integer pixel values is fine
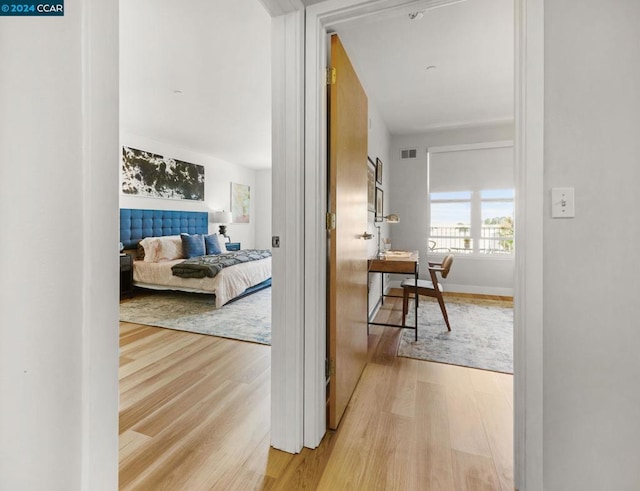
(563, 203)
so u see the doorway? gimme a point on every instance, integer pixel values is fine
(174, 99)
(528, 147)
(300, 220)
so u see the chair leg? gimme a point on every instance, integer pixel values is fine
(405, 304)
(444, 310)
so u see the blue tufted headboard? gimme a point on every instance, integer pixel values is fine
(135, 224)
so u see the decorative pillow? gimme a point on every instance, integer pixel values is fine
(222, 243)
(157, 249)
(140, 251)
(145, 247)
(211, 244)
(192, 245)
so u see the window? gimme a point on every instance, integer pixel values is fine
(471, 203)
(496, 232)
(451, 222)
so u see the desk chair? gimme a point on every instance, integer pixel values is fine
(428, 288)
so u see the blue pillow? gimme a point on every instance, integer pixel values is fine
(212, 245)
(192, 245)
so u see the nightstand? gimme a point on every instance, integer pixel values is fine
(233, 246)
(126, 275)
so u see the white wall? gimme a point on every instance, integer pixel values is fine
(58, 256)
(263, 209)
(591, 334)
(409, 199)
(378, 146)
(218, 178)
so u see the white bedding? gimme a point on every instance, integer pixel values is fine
(226, 285)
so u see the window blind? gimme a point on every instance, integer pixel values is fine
(468, 168)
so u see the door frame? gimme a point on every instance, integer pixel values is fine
(529, 146)
(288, 222)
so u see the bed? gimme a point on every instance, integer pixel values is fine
(153, 237)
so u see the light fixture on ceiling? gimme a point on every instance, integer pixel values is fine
(416, 15)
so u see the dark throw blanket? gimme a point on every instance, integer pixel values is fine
(201, 266)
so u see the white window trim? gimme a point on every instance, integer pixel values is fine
(470, 146)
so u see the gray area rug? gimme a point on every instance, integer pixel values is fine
(247, 319)
(481, 334)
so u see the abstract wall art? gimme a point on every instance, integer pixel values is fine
(155, 176)
(240, 202)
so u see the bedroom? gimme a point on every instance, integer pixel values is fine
(177, 107)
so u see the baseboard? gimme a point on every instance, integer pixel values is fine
(469, 289)
(374, 310)
(378, 304)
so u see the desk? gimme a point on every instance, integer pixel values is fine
(401, 265)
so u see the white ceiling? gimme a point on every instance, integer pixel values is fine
(217, 53)
(471, 45)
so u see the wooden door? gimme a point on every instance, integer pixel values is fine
(347, 302)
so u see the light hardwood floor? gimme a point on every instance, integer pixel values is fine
(194, 415)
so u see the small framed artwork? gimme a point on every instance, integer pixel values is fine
(371, 185)
(240, 202)
(379, 202)
(378, 171)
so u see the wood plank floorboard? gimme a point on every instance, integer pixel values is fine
(195, 415)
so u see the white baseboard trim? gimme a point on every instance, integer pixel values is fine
(474, 289)
(374, 310)
(377, 304)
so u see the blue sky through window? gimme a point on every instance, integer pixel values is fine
(497, 194)
(450, 214)
(447, 213)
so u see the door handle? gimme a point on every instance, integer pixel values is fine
(366, 236)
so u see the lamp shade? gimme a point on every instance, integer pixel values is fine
(393, 218)
(221, 217)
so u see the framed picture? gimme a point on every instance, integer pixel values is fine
(150, 175)
(378, 171)
(371, 183)
(379, 202)
(240, 202)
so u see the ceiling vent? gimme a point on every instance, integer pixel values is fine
(408, 153)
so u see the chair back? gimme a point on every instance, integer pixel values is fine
(446, 265)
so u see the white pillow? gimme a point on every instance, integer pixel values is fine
(158, 249)
(222, 243)
(146, 245)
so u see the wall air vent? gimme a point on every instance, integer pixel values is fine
(408, 153)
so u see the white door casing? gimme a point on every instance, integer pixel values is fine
(529, 76)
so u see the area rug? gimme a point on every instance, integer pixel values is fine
(481, 334)
(247, 319)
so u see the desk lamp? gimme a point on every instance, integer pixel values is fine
(391, 218)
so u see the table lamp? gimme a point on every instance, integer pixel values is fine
(391, 218)
(222, 218)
